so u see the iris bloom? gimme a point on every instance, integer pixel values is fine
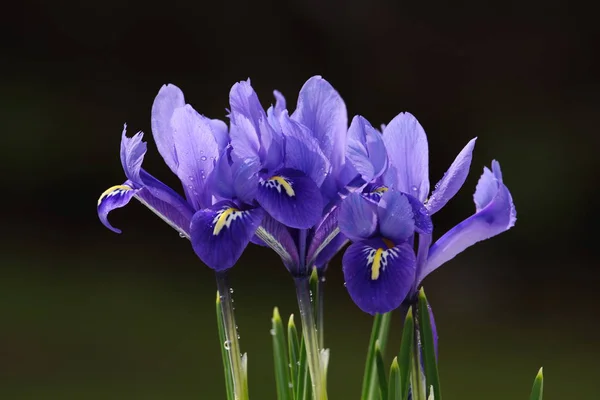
(290, 167)
(381, 267)
(192, 146)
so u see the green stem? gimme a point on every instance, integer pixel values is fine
(418, 392)
(310, 338)
(231, 343)
(321, 310)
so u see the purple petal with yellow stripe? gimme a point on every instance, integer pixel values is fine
(114, 197)
(291, 198)
(220, 233)
(378, 277)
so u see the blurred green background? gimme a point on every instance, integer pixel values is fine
(87, 314)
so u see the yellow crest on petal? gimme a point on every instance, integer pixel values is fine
(111, 191)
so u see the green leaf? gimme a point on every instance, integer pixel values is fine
(304, 388)
(379, 332)
(224, 354)
(431, 370)
(395, 386)
(537, 391)
(383, 386)
(314, 289)
(282, 374)
(408, 332)
(293, 351)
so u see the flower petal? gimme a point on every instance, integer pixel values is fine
(291, 198)
(155, 195)
(132, 155)
(358, 217)
(220, 181)
(221, 133)
(365, 145)
(114, 197)
(396, 218)
(245, 179)
(321, 109)
(221, 232)
(330, 251)
(493, 217)
(423, 223)
(452, 180)
(277, 236)
(302, 151)
(378, 278)
(169, 98)
(196, 150)
(406, 145)
(325, 232)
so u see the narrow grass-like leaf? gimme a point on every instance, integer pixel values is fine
(394, 384)
(282, 370)
(314, 288)
(381, 376)
(537, 392)
(293, 352)
(379, 332)
(408, 332)
(431, 370)
(224, 354)
(304, 388)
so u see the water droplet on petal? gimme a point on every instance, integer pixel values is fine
(203, 158)
(182, 235)
(414, 188)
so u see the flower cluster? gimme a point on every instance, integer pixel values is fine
(305, 184)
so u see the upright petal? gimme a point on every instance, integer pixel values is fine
(132, 155)
(292, 198)
(396, 218)
(197, 151)
(245, 179)
(221, 133)
(452, 180)
(243, 100)
(302, 151)
(406, 145)
(358, 217)
(220, 182)
(169, 98)
(366, 141)
(493, 216)
(378, 278)
(321, 109)
(221, 232)
(244, 138)
(423, 223)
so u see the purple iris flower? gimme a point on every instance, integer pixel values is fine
(194, 147)
(289, 165)
(381, 268)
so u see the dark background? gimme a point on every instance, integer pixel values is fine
(87, 314)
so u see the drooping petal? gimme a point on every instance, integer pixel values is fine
(493, 217)
(196, 150)
(378, 278)
(132, 155)
(292, 198)
(452, 180)
(423, 223)
(408, 153)
(396, 218)
(169, 98)
(277, 236)
(321, 109)
(114, 197)
(302, 151)
(220, 233)
(358, 217)
(155, 195)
